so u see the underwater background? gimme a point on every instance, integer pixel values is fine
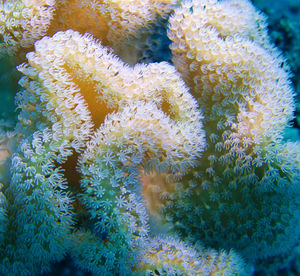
(284, 30)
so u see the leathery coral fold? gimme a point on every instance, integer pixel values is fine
(117, 24)
(149, 169)
(153, 126)
(245, 193)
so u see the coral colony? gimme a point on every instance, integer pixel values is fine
(132, 166)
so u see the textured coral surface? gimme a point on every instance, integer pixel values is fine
(145, 138)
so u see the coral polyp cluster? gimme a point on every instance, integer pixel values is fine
(117, 24)
(152, 126)
(22, 23)
(170, 256)
(109, 20)
(169, 168)
(245, 193)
